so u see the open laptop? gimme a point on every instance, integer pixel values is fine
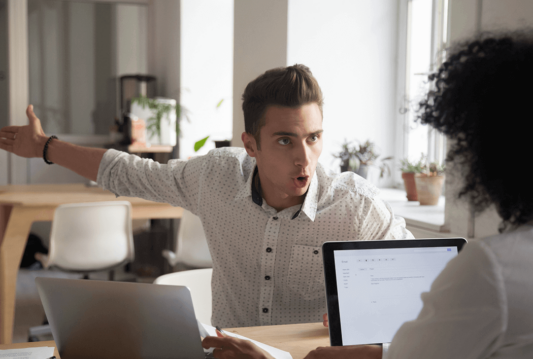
(373, 287)
(97, 319)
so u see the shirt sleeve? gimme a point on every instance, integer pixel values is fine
(464, 314)
(377, 221)
(177, 182)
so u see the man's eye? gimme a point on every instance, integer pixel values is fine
(284, 141)
(313, 138)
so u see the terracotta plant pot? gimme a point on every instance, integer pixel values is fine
(410, 185)
(428, 188)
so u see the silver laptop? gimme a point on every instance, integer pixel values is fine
(97, 319)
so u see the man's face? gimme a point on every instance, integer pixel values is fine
(291, 143)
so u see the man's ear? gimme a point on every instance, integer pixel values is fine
(249, 144)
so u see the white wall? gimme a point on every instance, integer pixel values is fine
(260, 44)
(206, 72)
(350, 46)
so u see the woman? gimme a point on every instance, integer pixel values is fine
(480, 305)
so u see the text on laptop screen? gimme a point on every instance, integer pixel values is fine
(379, 289)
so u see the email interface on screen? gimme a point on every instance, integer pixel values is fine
(379, 289)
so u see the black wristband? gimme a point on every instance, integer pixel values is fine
(46, 149)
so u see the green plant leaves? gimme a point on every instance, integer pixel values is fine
(199, 144)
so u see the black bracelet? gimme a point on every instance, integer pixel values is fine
(46, 149)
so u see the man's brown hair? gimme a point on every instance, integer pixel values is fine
(291, 86)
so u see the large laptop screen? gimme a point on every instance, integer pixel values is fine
(379, 289)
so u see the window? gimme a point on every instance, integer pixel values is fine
(426, 40)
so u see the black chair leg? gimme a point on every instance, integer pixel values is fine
(86, 276)
(111, 275)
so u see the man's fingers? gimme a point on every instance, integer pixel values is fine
(7, 141)
(9, 129)
(30, 113)
(220, 334)
(8, 148)
(215, 342)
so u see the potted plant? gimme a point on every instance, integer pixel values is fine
(409, 169)
(160, 108)
(346, 155)
(429, 184)
(366, 154)
(358, 158)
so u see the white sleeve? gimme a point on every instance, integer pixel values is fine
(464, 314)
(177, 182)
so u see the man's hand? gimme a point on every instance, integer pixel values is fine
(348, 352)
(24, 141)
(234, 348)
(325, 318)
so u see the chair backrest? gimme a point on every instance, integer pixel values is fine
(91, 236)
(199, 283)
(192, 249)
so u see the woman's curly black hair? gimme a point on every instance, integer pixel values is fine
(482, 99)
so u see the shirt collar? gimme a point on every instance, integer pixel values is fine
(309, 206)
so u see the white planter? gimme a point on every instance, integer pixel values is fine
(168, 123)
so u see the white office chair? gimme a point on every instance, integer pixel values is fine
(191, 246)
(88, 237)
(91, 237)
(199, 283)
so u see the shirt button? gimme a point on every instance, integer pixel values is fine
(275, 218)
(315, 251)
(265, 310)
(267, 277)
(269, 249)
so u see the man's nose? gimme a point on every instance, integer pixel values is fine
(302, 156)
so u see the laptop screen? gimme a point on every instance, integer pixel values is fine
(379, 289)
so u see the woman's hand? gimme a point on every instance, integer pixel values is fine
(234, 348)
(348, 352)
(325, 318)
(24, 141)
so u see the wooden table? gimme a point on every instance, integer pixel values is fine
(297, 339)
(21, 205)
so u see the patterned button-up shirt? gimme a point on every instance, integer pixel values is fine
(267, 265)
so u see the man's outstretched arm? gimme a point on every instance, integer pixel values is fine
(28, 141)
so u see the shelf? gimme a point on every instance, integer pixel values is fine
(427, 217)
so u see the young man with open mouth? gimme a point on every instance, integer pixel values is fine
(266, 209)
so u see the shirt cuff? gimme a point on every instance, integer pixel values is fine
(385, 349)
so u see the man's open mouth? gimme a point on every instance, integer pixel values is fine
(301, 181)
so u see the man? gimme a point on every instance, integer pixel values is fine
(266, 209)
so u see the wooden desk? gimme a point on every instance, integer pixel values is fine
(297, 339)
(20, 206)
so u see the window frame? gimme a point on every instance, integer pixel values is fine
(436, 150)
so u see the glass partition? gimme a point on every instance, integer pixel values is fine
(4, 121)
(77, 50)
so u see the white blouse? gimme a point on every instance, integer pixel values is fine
(480, 306)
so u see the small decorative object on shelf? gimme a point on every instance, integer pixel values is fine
(429, 184)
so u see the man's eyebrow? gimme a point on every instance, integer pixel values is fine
(292, 134)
